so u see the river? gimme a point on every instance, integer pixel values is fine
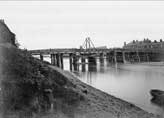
(130, 82)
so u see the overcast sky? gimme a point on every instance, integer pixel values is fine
(67, 24)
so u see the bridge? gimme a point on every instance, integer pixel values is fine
(88, 53)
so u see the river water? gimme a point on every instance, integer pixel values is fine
(130, 82)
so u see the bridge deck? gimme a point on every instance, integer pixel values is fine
(89, 51)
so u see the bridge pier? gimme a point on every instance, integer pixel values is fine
(115, 57)
(82, 60)
(91, 60)
(101, 58)
(41, 57)
(75, 60)
(123, 56)
(53, 59)
(143, 57)
(70, 61)
(147, 57)
(138, 56)
(109, 56)
(92, 64)
(128, 56)
(83, 63)
(61, 61)
(131, 57)
(58, 60)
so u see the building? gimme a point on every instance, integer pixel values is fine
(145, 44)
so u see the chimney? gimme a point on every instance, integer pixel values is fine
(155, 41)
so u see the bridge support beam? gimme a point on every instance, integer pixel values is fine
(101, 57)
(61, 61)
(127, 56)
(123, 56)
(147, 57)
(138, 56)
(82, 60)
(92, 60)
(83, 63)
(41, 57)
(58, 60)
(92, 64)
(115, 57)
(75, 60)
(70, 61)
(53, 59)
(120, 56)
(109, 56)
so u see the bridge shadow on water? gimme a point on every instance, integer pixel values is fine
(88, 72)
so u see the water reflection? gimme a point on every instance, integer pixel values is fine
(131, 82)
(83, 68)
(92, 67)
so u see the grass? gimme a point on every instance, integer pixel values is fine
(25, 80)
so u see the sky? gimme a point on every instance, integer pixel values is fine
(66, 24)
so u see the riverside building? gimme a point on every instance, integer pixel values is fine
(145, 44)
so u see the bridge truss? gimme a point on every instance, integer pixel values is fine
(88, 44)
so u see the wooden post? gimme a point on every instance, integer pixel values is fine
(83, 63)
(82, 60)
(70, 61)
(147, 57)
(51, 55)
(58, 60)
(61, 60)
(110, 57)
(138, 56)
(123, 57)
(101, 58)
(91, 60)
(107, 56)
(115, 57)
(141, 54)
(128, 56)
(92, 64)
(41, 57)
(75, 60)
(53, 59)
